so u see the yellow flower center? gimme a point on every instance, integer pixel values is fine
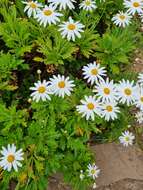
(90, 106)
(128, 91)
(10, 158)
(122, 17)
(71, 26)
(127, 138)
(41, 89)
(141, 99)
(61, 84)
(93, 171)
(33, 5)
(94, 71)
(107, 91)
(136, 4)
(109, 108)
(47, 12)
(87, 3)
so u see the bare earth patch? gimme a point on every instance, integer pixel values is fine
(138, 62)
(126, 184)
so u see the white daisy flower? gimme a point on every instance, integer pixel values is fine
(41, 91)
(61, 86)
(139, 99)
(127, 138)
(122, 19)
(109, 111)
(48, 15)
(140, 78)
(32, 7)
(11, 158)
(88, 5)
(127, 92)
(71, 29)
(139, 117)
(134, 6)
(89, 107)
(93, 171)
(106, 90)
(63, 4)
(93, 72)
(81, 176)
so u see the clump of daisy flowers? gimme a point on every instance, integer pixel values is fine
(57, 85)
(131, 7)
(107, 95)
(106, 98)
(50, 13)
(104, 102)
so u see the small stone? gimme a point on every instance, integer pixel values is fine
(137, 59)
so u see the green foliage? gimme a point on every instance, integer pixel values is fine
(10, 120)
(113, 48)
(8, 64)
(15, 31)
(55, 49)
(87, 45)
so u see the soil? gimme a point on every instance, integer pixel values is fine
(126, 184)
(56, 183)
(138, 62)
